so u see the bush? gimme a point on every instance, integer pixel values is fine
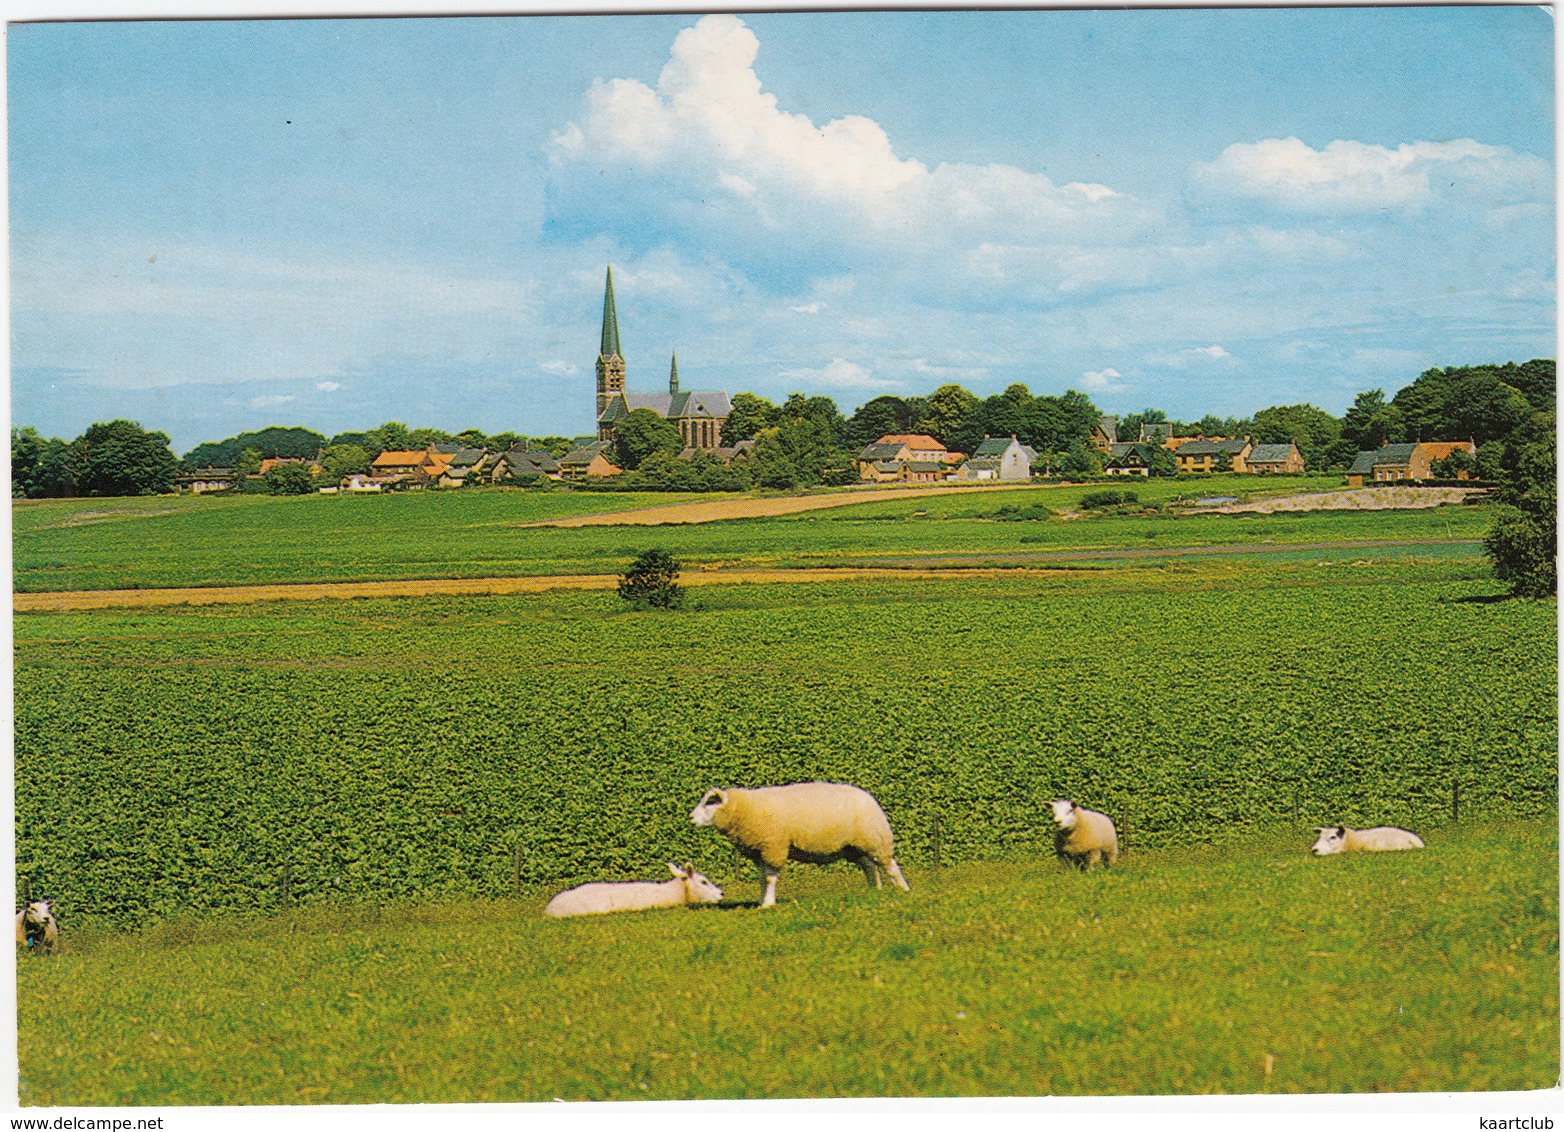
(652, 581)
(1523, 553)
(1096, 500)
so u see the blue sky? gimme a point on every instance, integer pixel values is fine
(217, 226)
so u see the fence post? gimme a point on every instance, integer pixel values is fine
(287, 883)
(937, 863)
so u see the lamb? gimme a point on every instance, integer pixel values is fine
(1380, 839)
(813, 822)
(686, 887)
(36, 927)
(1085, 837)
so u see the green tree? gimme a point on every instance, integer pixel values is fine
(1081, 460)
(472, 438)
(288, 479)
(121, 458)
(1371, 423)
(749, 415)
(1454, 464)
(1162, 462)
(1312, 429)
(652, 580)
(879, 417)
(793, 454)
(948, 408)
(248, 463)
(642, 433)
(393, 436)
(340, 460)
(502, 441)
(1523, 543)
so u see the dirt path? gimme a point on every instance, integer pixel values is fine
(1020, 564)
(749, 508)
(1353, 499)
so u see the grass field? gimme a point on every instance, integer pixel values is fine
(137, 543)
(1249, 969)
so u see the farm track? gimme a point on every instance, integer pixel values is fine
(1004, 564)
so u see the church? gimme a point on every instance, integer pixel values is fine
(699, 417)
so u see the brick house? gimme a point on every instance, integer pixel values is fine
(1205, 455)
(1275, 459)
(1395, 462)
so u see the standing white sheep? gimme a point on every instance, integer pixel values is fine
(1084, 837)
(686, 887)
(1380, 839)
(813, 822)
(36, 927)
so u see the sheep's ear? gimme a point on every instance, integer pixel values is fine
(675, 870)
(689, 868)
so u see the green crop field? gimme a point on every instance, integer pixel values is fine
(1252, 968)
(137, 543)
(181, 759)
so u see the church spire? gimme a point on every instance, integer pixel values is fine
(673, 375)
(610, 359)
(610, 321)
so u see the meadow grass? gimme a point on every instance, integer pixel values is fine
(139, 543)
(1249, 968)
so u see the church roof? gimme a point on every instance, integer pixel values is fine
(610, 346)
(669, 406)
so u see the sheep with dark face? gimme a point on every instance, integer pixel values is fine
(1084, 837)
(813, 822)
(36, 928)
(686, 887)
(1380, 839)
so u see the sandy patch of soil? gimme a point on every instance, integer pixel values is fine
(751, 508)
(1353, 499)
(239, 595)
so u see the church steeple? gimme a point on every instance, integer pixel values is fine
(610, 360)
(673, 376)
(610, 347)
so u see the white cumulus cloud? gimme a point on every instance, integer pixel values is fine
(328, 386)
(1353, 176)
(839, 373)
(710, 125)
(1103, 381)
(271, 402)
(808, 308)
(1209, 351)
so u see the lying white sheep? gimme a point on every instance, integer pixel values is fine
(36, 927)
(813, 822)
(1085, 837)
(1380, 839)
(686, 887)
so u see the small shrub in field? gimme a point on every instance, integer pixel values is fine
(1097, 500)
(652, 580)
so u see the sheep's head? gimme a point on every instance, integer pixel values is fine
(706, 812)
(38, 912)
(1064, 813)
(1333, 839)
(697, 889)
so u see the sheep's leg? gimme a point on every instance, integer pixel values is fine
(1093, 858)
(770, 897)
(871, 871)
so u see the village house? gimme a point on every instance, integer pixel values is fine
(1396, 462)
(412, 468)
(520, 463)
(1208, 455)
(592, 460)
(1105, 433)
(999, 458)
(1157, 432)
(204, 480)
(465, 466)
(1128, 460)
(1275, 459)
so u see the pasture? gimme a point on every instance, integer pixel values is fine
(1253, 968)
(300, 846)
